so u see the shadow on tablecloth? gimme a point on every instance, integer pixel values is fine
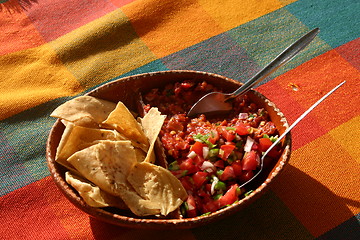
(267, 218)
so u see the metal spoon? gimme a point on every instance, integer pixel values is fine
(216, 102)
(287, 131)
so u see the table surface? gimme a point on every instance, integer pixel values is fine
(54, 50)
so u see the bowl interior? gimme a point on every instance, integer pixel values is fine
(128, 91)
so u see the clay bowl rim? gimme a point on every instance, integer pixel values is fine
(57, 171)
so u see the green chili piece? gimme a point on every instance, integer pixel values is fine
(217, 196)
(205, 214)
(220, 186)
(213, 152)
(200, 137)
(248, 193)
(273, 138)
(183, 174)
(219, 173)
(184, 208)
(174, 166)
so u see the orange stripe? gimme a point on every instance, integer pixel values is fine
(231, 15)
(318, 76)
(170, 26)
(17, 30)
(318, 190)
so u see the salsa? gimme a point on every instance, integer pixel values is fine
(211, 157)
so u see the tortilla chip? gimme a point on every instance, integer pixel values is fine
(84, 111)
(152, 123)
(158, 185)
(138, 205)
(76, 138)
(124, 122)
(140, 154)
(106, 164)
(92, 194)
(63, 141)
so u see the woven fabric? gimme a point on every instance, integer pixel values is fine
(54, 50)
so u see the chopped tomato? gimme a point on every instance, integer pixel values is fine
(208, 187)
(199, 178)
(220, 142)
(249, 161)
(230, 196)
(213, 136)
(274, 153)
(237, 167)
(226, 133)
(191, 206)
(197, 148)
(242, 129)
(264, 144)
(226, 151)
(186, 85)
(219, 164)
(227, 174)
(246, 176)
(210, 206)
(189, 166)
(187, 183)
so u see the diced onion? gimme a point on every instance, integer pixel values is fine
(208, 167)
(205, 152)
(213, 184)
(243, 115)
(249, 143)
(221, 152)
(191, 207)
(192, 154)
(258, 160)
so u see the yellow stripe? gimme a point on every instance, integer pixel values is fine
(102, 49)
(31, 77)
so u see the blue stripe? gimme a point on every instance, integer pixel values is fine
(337, 19)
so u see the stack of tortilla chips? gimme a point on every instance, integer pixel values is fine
(110, 157)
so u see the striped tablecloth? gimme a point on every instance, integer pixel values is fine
(54, 50)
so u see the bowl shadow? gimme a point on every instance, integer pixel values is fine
(266, 218)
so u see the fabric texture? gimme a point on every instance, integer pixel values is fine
(54, 50)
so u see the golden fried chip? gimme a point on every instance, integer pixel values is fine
(106, 164)
(158, 185)
(152, 123)
(84, 111)
(124, 122)
(76, 138)
(92, 194)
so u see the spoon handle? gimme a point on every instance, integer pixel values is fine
(288, 130)
(301, 117)
(279, 61)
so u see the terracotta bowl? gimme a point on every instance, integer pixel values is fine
(127, 90)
